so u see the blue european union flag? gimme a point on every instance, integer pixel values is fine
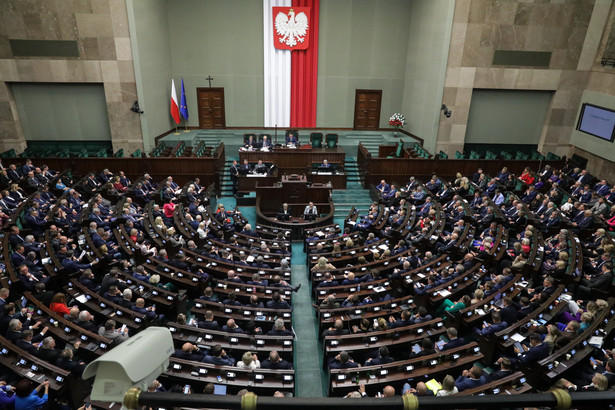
(183, 107)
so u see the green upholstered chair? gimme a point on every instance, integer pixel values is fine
(331, 140)
(316, 139)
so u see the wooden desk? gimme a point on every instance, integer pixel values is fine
(295, 160)
(248, 182)
(296, 193)
(337, 179)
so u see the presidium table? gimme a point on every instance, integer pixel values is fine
(297, 193)
(301, 161)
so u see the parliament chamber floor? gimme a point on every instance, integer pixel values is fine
(487, 281)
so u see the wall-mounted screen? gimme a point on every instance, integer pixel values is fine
(597, 121)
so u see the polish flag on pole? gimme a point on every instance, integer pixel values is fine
(174, 105)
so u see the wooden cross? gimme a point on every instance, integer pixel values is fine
(209, 78)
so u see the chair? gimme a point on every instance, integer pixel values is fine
(459, 155)
(331, 140)
(552, 157)
(247, 135)
(294, 132)
(398, 150)
(316, 139)
(442, 155)
(506, 155)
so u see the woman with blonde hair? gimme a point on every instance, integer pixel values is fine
(448, 386)
(249, 360)
(322, 265)
(382, 324)
(479, 294)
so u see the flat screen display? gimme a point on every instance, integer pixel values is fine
(597, 121)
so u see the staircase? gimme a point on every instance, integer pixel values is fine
(353, 195)
(226, 186)
(370, 142)
(211, 137)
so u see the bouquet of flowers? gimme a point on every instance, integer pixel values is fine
(397, 120)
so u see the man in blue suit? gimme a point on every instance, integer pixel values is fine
(454, 341)
(470, 379)
(497, 325)
(217, 355)
(536, 352)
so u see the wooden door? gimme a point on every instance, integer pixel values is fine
(367, 109)
(211, 107)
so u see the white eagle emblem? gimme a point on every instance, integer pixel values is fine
(291, 28)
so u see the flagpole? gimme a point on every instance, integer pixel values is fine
(186, 125)
(176, 133)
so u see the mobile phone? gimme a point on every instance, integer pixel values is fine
(219, 379)
(123, 329)
(87, 404)
(187, 389)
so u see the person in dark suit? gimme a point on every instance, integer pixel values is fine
(189, 352)
(234, 172)
(406, 319)
(13, 173)
(231, 327)
(218, 356)
(585, 222)
(27, 343)
(250, 143)
(504, 371)
(279, 329)
(470, 379)
(291, 139)
(536, 352)
(284, 213)
(209, 323)
(342, 361)
(277, 302)
(265, 143)
(492, 328)
(454, 341)
(336, 330)
(86, 321)
(47, 351)
(245, 168)
(274, 361)
(603, 280)
(66, 362)
(382, 357)
(509, 312)
(427, 348)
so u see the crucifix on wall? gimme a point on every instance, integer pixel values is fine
(209, 78)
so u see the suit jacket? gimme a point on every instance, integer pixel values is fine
(535, 354)
(223, 360)
(453, 344)
(464, 383)
(282, 364)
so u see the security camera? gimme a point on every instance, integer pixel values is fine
(135, 363)
(447, 112)
(135, 108)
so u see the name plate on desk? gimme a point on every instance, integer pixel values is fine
(256, 175)
(324, 173)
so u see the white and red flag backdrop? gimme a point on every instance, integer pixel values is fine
(290, 74)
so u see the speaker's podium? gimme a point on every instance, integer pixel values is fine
(297, 192)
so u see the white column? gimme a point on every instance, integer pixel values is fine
(276, 72)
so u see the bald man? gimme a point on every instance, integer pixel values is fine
(189, 352)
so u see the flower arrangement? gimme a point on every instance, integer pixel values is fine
(397, 120)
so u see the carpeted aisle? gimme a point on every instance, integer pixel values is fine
(311, 380)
